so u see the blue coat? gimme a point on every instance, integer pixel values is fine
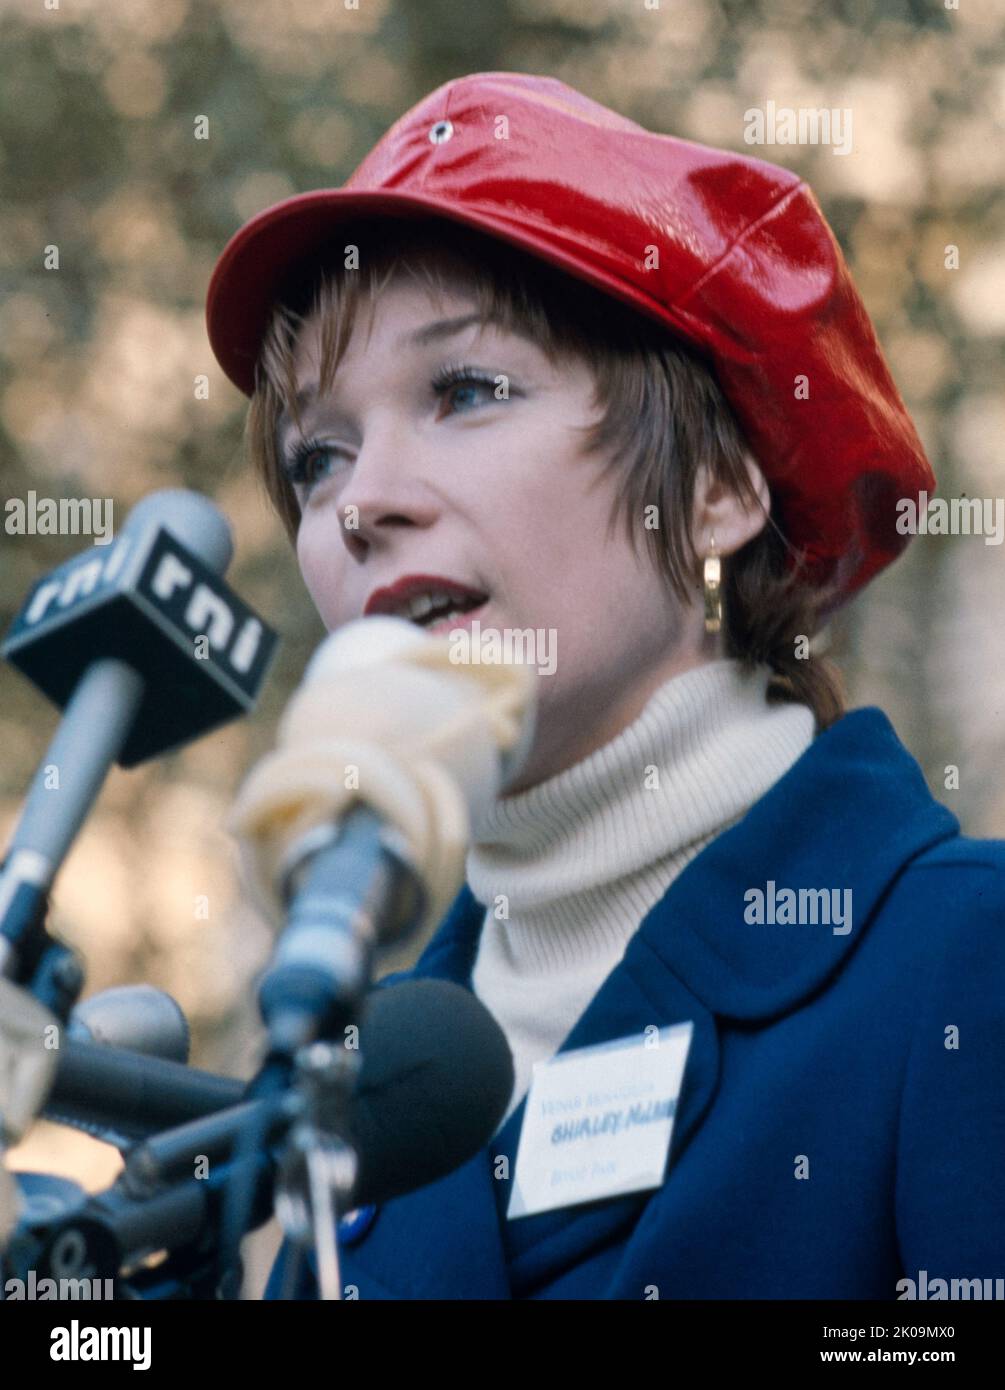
(813, 1051)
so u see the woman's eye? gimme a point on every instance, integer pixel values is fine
(303, 464)
(462, 387)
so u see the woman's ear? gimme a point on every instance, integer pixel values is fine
(722, 513)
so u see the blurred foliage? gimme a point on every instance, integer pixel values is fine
(98, 104)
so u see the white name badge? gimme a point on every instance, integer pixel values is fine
(598, 1121)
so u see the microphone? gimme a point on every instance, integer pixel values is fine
(94, 1079)
(100, 1088)
(435, 1080)
(435, 1077)
(144, 647)
(138, 1017)
(357, 825)
(107, 1094)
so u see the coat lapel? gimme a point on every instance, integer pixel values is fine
(847, 816)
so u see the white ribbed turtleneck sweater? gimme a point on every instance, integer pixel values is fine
(584, 855)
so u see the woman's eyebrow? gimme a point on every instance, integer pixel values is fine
(439, 328)
(418, 337)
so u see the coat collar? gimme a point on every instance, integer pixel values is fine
(849, 814)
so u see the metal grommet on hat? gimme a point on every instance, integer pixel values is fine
(728, 252)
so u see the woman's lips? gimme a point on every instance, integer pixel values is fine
(459, 620)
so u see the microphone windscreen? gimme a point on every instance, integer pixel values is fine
(435, 1080)
(427, 739)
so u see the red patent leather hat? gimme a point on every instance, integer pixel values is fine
(731, 253)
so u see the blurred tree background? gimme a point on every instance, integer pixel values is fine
(99, 101)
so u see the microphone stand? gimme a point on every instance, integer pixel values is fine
(156, 1205)
(113, 1234)
(318, 1162)
(348, 887)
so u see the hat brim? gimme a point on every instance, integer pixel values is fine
(259, 263)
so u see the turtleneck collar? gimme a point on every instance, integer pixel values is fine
(568, 868)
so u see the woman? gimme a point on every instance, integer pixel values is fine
(523, 319)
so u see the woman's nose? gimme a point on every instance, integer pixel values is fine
(384, 490)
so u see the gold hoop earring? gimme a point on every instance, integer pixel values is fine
(713, 590)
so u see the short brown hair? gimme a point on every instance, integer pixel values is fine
(663, 414)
